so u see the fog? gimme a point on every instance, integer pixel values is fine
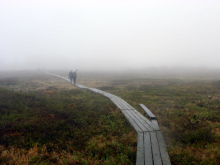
(109, 35)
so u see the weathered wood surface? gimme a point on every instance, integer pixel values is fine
(148, 148)
(150, 114)
(151, 147)
(140, 150)
(163, 149)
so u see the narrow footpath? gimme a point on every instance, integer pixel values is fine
(151, 147)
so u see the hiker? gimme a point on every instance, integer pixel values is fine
(71, 76)
(74, 76)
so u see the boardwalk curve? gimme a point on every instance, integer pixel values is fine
(151, 147)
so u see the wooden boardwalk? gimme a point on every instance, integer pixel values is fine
(151, 147)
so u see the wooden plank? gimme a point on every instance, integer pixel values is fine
(116, 103)
(96, 90)
(140, 149)
(91, 90)
(125, 107)
(147, 121)
(150, 114)
(101, 92)
(128, 105)
(132, 122)
(163, 149)
(136, 120)
(109, 95)
(125, 104)
(81, 86)
(155, 149)
(155, 122)
(122, 102)
(146, 126)
(119, 103)
(147, 149)
(133, 125)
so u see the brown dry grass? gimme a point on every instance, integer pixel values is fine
(16, 156)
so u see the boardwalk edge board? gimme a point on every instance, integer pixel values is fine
(151, 147)
(150, 114)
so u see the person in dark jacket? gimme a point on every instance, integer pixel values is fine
(74, 76)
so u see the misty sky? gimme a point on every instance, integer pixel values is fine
(109, 34)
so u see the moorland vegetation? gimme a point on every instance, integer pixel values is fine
(68, 126)
(45, 120)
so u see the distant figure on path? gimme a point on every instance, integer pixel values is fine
(71, 76)
(74, 76)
